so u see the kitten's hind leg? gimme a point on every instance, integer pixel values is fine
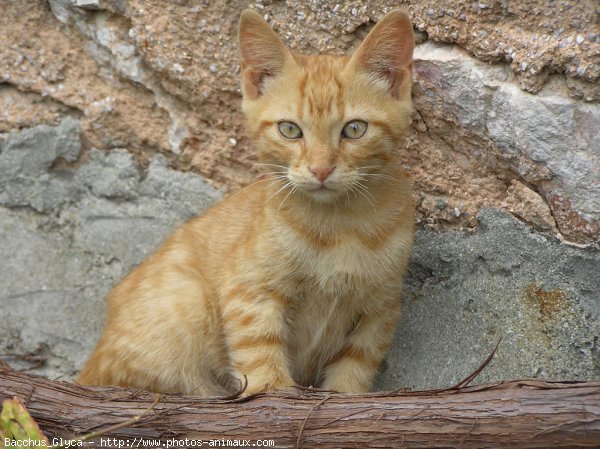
(161, 334)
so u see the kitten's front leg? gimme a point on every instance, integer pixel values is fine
(255, 332)
(353, 369)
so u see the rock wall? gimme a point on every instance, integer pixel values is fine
(120, 119)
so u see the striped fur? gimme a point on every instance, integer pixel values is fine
(293, 280)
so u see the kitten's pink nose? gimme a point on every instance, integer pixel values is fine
(322, 172)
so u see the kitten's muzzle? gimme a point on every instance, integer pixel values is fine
(321, 172)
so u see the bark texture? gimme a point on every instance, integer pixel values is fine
(523, 414)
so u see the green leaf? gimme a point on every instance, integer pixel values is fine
(16, 424)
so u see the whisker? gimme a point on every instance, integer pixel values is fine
(364, 188)
(367, 198)
(353, 190)
(380, 175)
(278, 178)
(271, 165)
(274, 173)
(370, 166)
(247, 156)
(360, 188)
(286, 197)
(288, 184)
(253, 184)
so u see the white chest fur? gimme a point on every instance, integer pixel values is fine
(348, 261)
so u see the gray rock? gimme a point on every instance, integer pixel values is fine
(454, 85)
(112, 175)
(466, 291)
(165, 184)
(550, 128)
(63, 249)
(92, 5)
(26, 160)
(557, 131)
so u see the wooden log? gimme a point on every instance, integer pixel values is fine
(518, 414)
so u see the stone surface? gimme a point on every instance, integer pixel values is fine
(503, 135)
(68, 235)
(530, 207)
(162, 77)
(536, 37)
(24, 173)
(56, 66)
(109, 110)
(464, 290)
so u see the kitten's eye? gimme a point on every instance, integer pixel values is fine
(354, 129)
(289, 130)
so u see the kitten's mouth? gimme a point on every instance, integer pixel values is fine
(322, 193)
(321, 190)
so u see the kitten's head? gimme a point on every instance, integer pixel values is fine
(327, 124)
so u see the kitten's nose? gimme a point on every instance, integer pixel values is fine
(321, 172)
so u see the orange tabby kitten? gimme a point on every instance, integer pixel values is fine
(297, 278)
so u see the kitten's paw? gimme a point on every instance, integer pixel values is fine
(266, 387)
(348, 387)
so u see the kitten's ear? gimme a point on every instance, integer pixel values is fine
(263, 53)
(387, 51)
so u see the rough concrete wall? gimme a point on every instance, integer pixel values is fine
(110, 110)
